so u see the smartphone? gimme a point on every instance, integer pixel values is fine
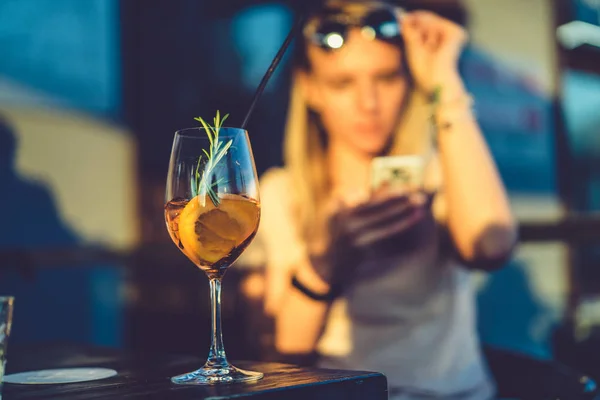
(397, 172)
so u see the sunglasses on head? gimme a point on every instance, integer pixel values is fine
(330, 31)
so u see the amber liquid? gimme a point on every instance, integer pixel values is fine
(212, 237)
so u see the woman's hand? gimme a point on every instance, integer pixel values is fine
(379, 223)
(433, 46)
(386, 215)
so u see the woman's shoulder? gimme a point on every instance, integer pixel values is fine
(275, 181)
(275, 175)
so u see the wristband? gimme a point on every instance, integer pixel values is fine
(326, 297)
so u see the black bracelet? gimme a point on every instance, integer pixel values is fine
(327, 297)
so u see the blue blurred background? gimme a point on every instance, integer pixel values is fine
(92, 91)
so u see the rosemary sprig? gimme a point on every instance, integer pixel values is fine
(203, 183)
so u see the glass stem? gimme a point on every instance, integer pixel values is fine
(216, 356)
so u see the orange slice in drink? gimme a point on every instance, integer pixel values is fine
(208, 233)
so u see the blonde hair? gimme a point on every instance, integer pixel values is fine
(305, 151)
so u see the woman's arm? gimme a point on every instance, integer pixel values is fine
(477, 208)
(300, 320)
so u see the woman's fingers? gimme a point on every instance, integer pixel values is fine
(432, 29)
(385, 217)
(358, 223)
(380, 201)
(389, 230)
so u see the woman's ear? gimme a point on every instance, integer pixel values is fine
(309, 90)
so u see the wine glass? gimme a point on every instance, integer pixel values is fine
(212, 213)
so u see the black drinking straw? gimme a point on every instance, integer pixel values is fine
(263, 83)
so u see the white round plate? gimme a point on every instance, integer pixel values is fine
(63, 375)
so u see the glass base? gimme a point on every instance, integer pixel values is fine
(211, 376)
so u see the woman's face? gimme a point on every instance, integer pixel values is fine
(358, 91)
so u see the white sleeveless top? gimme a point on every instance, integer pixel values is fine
(414, 320)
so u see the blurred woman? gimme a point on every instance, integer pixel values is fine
(378, 279)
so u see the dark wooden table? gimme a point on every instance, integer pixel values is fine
(148, 377)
